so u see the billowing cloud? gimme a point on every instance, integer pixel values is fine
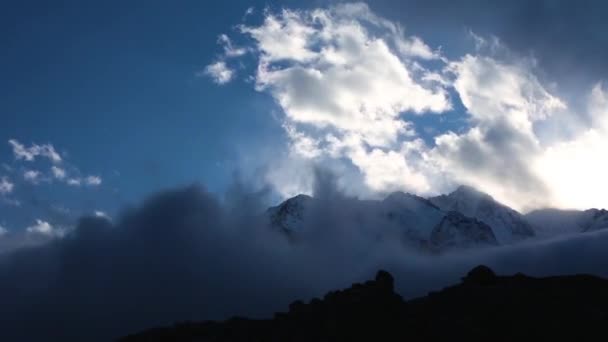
(350, 84)
(219, 72)
(327, 70)
(186, 255)
(31, 153)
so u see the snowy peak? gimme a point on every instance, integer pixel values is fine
(507, 224)
(458, 231)
(289, 216)
(409, 201)
(413, 219)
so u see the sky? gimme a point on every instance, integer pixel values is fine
(106, 103)
(141, 140)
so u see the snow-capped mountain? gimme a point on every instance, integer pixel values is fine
(289, 216)
(551, 222)
(507, 224)
(458, 231)
(416, 220)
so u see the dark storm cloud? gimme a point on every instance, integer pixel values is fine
(186, 254)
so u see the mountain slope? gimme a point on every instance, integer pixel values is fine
(417, 221)
(483, 307)
(551, 222)
(507, 224)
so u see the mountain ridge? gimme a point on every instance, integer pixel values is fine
(475, 309)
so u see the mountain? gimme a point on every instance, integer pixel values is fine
(458, 231)
(507, 224)
(483, 307)
(551, 222)
(289, 216)
(419, 222)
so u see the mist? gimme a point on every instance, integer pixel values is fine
(189, 254)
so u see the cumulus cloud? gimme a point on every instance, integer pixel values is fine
(31, 153)
(219, 72)
(6, 187)
(349, 83)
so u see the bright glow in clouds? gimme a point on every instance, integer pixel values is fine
(349, 82)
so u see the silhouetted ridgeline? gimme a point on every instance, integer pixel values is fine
(482, 307)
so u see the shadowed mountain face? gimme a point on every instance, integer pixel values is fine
(507, 224)
(482, 306)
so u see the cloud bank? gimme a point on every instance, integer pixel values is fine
(352, 84)
(186, 254)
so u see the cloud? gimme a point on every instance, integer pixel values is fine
(219, 72)
(32, 176)
(74, 181)
(40, 227)
(101, 214)
(6, 187)
(229, 49)
(58, 172)
(184, 254)
(351, 85)
(3, 231)
(330, 72)
(34, 151)
(93, 180)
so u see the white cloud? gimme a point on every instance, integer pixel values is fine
(229, 49)
(219, 72)
(6, 187)
(101, 214)
(58, 172)
(335, 74)
(74, 182)
(30, 153)
(93, 180)
(41, 227)
(347, 81)
(3, 231)
(32, 176)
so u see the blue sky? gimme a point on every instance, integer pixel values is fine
(120, 91)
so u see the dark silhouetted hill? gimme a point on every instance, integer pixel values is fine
(483, 306)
